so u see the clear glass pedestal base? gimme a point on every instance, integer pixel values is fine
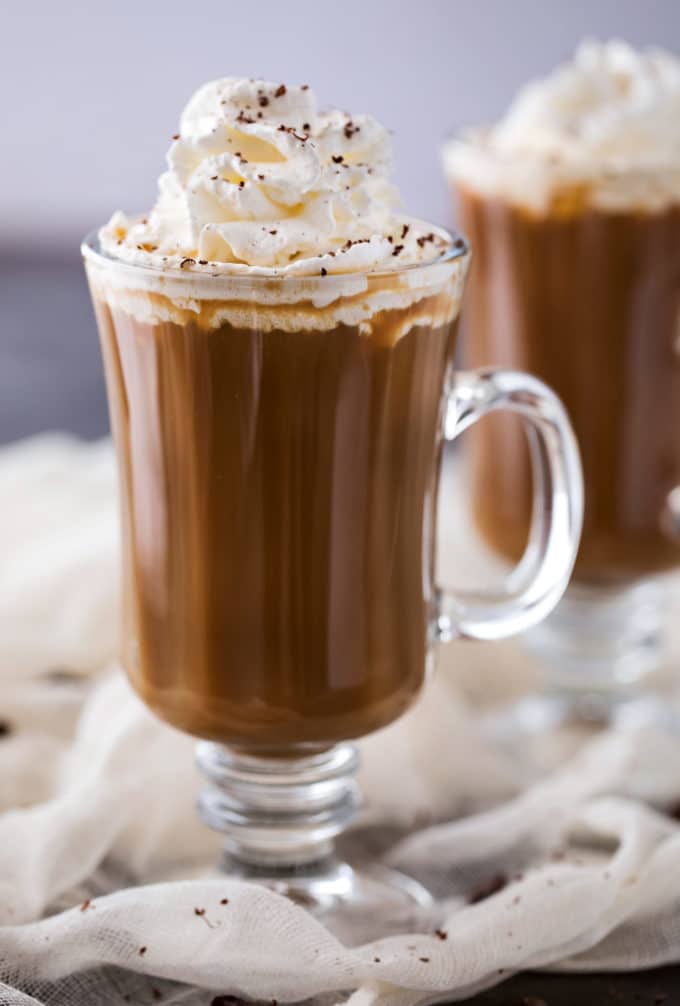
(280, 815)
(599, 655)
(356, 905)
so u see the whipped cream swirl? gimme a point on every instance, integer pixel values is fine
(259, 179)
(609, 121)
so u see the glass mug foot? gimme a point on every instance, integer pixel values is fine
(280, 816)
(600, 656)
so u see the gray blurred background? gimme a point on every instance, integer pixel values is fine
(90, 101)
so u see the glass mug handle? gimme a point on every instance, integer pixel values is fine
(538, 581)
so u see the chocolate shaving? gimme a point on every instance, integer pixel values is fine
(213, 178)
(86, 904)
(5, 728)
(202, 261)
(241, 184)
(491, 886)
(458, 243)
(324, 272)
(441, 934)
(261, 177)
(337, 158)
(306, 126)
(398, 249)
(175, 136)
(305, 87)
(376, 960)
(242, 117)
(141, 951)
(425, 960)
(405, 230)
(350, 129)
(224, 901)
(187, 261)
(274, 232)
(263, 100)
(199, 911)
(280, 91)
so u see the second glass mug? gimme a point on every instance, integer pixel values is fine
(279, 443)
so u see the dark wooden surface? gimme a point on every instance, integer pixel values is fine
(50, 373)
(50, 378)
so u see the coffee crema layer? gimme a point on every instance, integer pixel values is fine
(291, 302)
(278, 500)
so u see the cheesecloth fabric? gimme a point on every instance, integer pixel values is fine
(577, 870)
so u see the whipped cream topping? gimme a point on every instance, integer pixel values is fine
(259, 180)
(607, 123)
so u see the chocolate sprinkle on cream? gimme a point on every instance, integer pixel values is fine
(280, 91)
(187, 261)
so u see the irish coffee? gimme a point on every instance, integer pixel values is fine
(572, 204)
(277, 355)
(278, 341)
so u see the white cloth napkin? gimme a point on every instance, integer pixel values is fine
(97, 796)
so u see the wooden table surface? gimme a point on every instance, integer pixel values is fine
(50, 378)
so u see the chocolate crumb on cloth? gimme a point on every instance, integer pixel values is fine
(489, 887)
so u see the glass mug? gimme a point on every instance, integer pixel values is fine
(587, 297)
(279, 442)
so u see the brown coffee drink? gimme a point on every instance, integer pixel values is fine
(590, 302)
(278, 491)
(572, 205)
